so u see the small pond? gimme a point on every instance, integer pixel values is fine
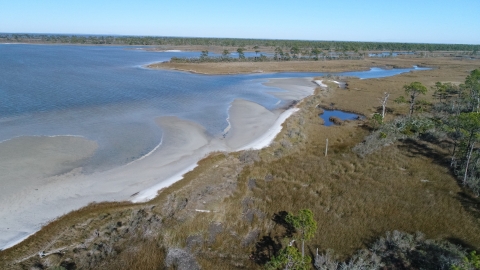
(336, 113)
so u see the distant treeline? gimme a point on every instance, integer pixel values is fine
(279, 55)
(235, 42)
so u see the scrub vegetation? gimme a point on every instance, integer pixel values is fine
(294, 46)
(390, 193)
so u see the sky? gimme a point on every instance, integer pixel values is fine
(417, 21)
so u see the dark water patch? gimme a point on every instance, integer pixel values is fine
(329, 116)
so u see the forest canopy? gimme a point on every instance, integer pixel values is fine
(236, 42)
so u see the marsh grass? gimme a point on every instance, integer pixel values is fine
(356, 199)
(404, 186)
(144, 255)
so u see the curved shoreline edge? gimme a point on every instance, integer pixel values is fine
(20, 239)
(261, 142)
(116, 185)
(184, 144)
(268, 137)
(150, 193)
(147, 154)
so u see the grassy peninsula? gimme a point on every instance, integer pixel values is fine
(229, 212)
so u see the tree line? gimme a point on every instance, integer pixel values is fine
(279, 54)
(454, 118)
(458, 114)
(352, 46)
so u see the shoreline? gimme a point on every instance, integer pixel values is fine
(183, 145)
(262, 141)
(225, 189)
(147, 154)
(162, 165)
(268, 137)
(331, 66)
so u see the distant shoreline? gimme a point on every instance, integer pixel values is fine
(334, 66)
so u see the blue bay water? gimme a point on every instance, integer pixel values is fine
(104, 94)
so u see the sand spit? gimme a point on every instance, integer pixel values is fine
(267, 138)
(320, 83)
(53, 184)
(252, 127)
(244, 115)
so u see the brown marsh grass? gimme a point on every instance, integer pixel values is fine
(355, 200)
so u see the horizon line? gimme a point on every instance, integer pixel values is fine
(191, 37)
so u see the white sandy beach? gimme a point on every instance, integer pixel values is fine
(320, 83)
(44, 177)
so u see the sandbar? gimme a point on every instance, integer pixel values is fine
(53, 186)
(248, 121)
(28, 164)
(296, 88)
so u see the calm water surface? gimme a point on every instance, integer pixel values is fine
(104, 94)
(336, 113)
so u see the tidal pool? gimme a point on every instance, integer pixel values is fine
(336, 113)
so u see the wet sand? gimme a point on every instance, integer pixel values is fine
(28, 165)
(52, 182)
(296, 88)
(244, 116)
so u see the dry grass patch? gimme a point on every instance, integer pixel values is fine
(354, 200)
(241, 195)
